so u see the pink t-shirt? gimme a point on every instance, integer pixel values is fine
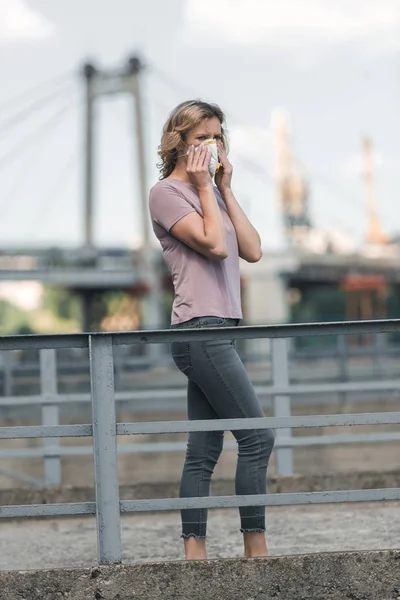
(203, 287)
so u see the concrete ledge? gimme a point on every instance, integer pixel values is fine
(140, 491)
(336, 576)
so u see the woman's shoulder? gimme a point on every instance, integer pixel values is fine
(157, 186)
(170, 182)
(172, 187)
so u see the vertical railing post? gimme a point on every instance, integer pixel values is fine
(282, 406)
(379, 342)
(7, 373)
(118, 366)
(105, 449)
(342, 356)
(50, 415)
(342, 349)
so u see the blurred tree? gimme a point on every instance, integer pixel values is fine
(61, 303)
(118, 311)
(13, 320)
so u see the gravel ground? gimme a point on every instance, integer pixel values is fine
(50, 543)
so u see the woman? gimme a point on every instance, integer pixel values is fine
(203, 232)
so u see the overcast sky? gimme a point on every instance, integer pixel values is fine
(335, 67)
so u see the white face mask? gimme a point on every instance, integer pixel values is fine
(214, 162)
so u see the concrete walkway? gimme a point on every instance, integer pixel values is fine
(51, 543)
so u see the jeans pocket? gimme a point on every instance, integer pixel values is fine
(212, 321)
(181, 355)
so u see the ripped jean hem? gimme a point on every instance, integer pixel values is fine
(189, 535)
(253, 530)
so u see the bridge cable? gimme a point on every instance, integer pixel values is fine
(28, 111)
(9, 202)
(27, 94)
(54, 195)
(18, 150)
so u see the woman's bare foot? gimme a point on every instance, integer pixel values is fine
(195, 549)
(255, 544)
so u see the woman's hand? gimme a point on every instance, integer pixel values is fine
(197, 167)
(223, 177)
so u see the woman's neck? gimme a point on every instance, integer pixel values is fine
(180, 172)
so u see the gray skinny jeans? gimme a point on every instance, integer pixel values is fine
(219, 388)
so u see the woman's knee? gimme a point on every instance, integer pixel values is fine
(205, 445)
(256, 442)
(267, 437)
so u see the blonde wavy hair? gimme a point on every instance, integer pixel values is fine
(182, 119)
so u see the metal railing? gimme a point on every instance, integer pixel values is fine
(17, 371)
(105, 429)
(281, 391)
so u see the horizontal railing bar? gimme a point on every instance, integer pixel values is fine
(82, 366)
(317, 440)
(25, 400)
(41, 342)
(128, 506)
(48, 510)
(354, 438)
(350, 352)
(260, 332)
(161, 447)
(44, 431)
(357, 386)
(22, 476)
(47, 451)
(168, 335)
(64, 367)
(284, 499)
(385, 418)
(180, 393)
(332, 388)
(159, 427)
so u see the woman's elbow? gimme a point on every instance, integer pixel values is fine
(252, 257)
(219, 253)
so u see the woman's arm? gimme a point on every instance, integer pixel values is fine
(249, 241)
(204, 234)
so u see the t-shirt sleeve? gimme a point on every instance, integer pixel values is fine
(168, 206)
